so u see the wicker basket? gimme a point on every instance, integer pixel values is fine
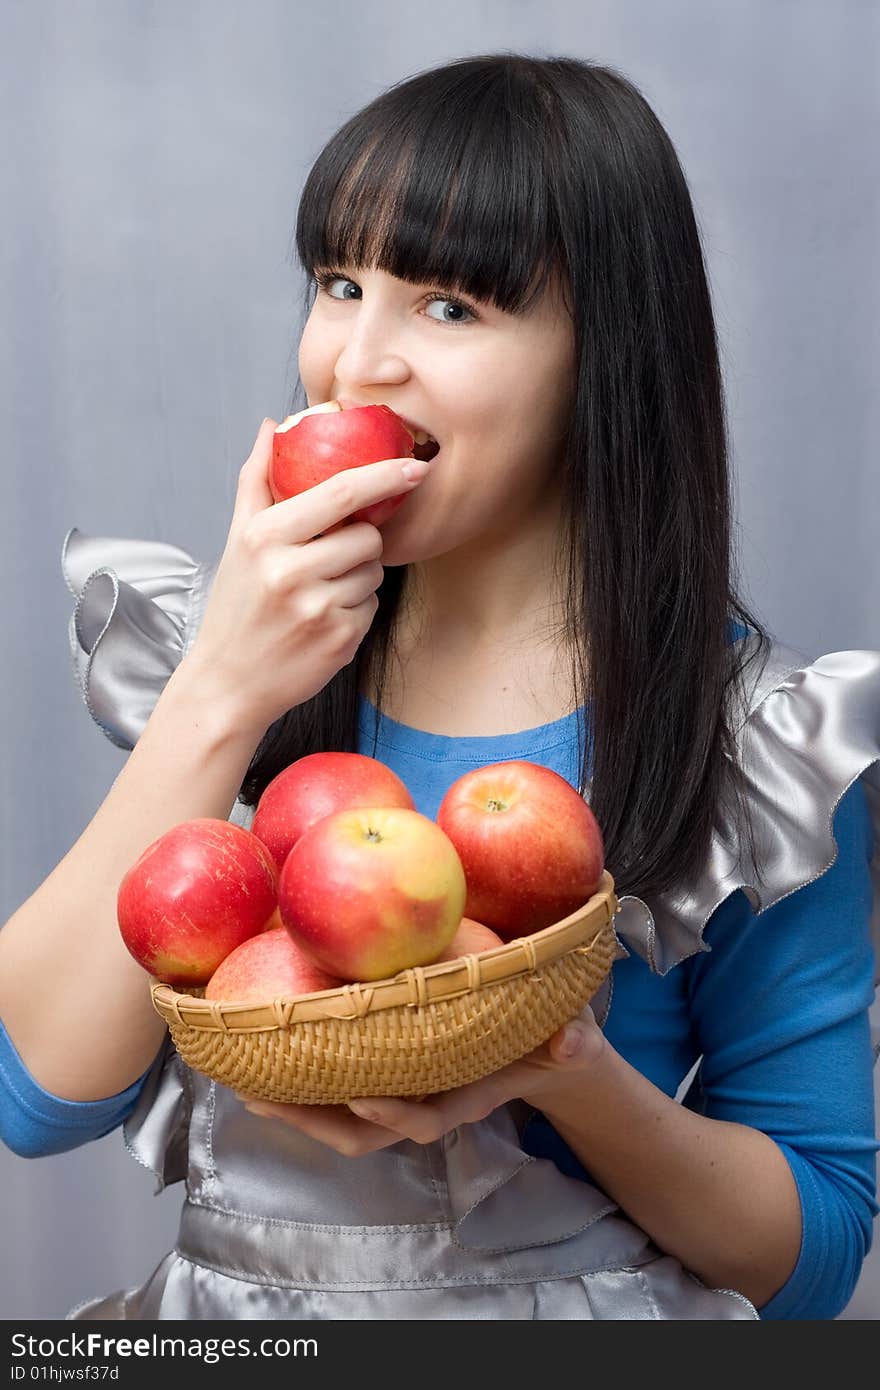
(425, 1030)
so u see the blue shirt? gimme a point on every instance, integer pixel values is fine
(778, 1010)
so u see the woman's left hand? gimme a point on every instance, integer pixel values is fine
(377, 1122)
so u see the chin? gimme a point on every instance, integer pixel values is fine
(402, 542)
(400, 546)
(411, 549)
(417, 532)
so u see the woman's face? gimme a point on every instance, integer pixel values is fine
(495, 389)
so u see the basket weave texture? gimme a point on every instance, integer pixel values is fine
(426, 1030)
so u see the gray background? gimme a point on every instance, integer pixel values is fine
(151, 162)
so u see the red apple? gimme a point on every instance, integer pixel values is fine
(325, 439)
(195, 894)
(317, 786)
(530, 846)
(267, 967)
(371, 891)
(470, 939)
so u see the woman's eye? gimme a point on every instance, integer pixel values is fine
(456, 304)
(327, 279)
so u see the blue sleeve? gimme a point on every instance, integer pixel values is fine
(35, 1123)
(779, 1008)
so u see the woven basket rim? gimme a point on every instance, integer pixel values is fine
(426, 984)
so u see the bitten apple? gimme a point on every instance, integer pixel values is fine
(316, 786)
(531, 848)
(195, 894)
(325, 439)
(470, 939)
(267, 967)
(371, 891)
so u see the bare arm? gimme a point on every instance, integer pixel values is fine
(63, 946)
(719, 1196)
(292, 600)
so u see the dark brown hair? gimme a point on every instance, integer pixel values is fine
(490, 174)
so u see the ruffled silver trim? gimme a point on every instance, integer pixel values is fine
(156, 1133)
(811, 729)
(138, 605)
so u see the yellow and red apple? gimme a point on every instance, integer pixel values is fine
(371, 891)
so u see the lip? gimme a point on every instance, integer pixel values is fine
(410, 424)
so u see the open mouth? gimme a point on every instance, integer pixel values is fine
(426, 451)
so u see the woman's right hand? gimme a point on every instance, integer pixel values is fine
(290, 606)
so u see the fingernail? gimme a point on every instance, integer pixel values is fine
(415, 468)
(366, 1112)
(257, 1109)
(571, 1042)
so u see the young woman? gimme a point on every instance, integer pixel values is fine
(504, 251)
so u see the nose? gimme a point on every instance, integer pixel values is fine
(370, 355)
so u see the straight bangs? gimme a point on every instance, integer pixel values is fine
(410, 188)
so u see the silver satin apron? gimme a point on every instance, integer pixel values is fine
(276, 1225)
(469, 1226)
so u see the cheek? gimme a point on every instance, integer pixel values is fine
(306, 360)
(538, 413)
(474, 489)
(315, 361)
(506, 404)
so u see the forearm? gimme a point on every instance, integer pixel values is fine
(63, 944)
(718, 1196)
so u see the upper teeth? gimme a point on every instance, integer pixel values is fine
(422, 437)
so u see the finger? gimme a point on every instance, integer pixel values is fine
(581, 1040)
(357, 586)
(321, 508)
(420, 1121)
(320, 1121)
(333, 1125)
(425, 1120)
(254, 494)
